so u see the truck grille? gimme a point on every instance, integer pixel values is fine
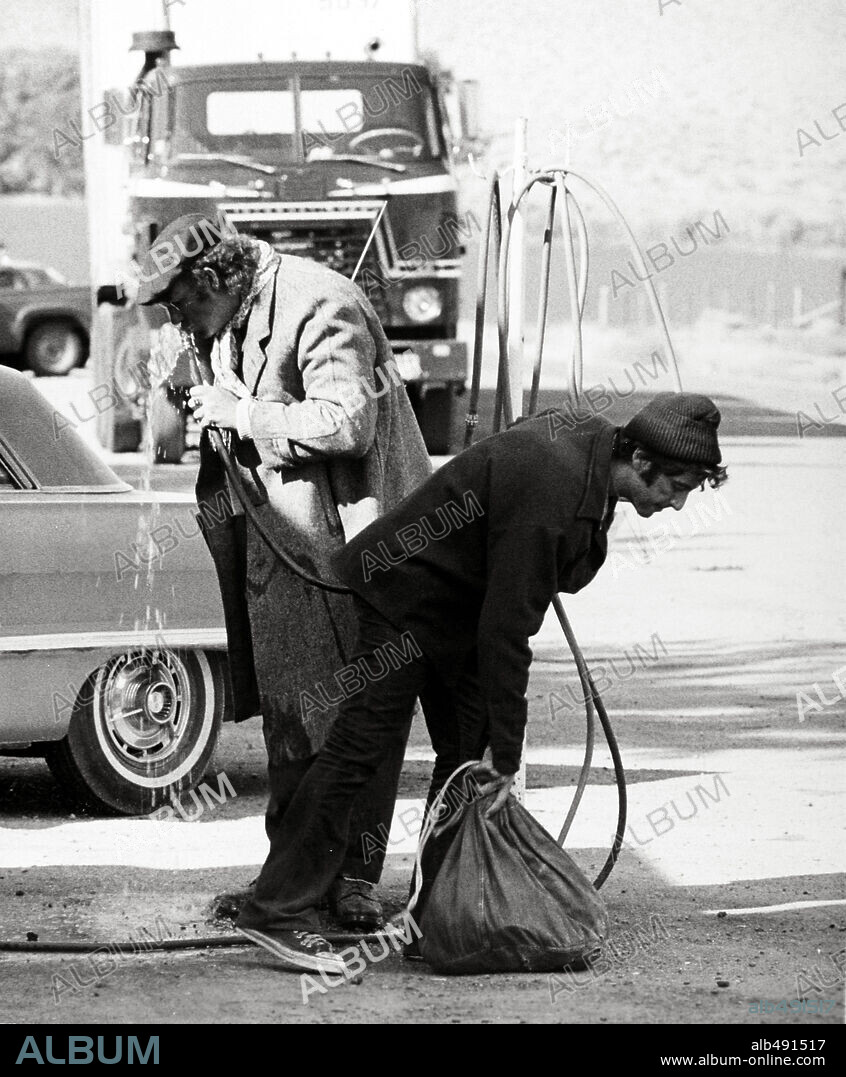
(326, 232)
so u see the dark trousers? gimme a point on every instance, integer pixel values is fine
(372, 811)
(374, 808)
(309, 844)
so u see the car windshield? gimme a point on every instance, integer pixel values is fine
(387, 119)
(46, 445)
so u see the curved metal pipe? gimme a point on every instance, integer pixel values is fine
(577, 288)
(543, 301)
(654, 302)
(493, 226)
(576, 363)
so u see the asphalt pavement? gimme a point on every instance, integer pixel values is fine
(717, 638)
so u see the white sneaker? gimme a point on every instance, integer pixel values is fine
(301, 950)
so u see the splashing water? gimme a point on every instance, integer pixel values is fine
(167, 345)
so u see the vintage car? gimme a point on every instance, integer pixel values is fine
(44, 321)
(112, 643)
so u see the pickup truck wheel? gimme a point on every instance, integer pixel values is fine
(54, 348)
(167, 426)
(143, 731)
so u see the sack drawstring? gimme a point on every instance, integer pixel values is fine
(430, 826)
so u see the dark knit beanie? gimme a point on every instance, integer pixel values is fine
(682, 426)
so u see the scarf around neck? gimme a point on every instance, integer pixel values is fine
(225, 354)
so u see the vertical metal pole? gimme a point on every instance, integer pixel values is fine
(517, 272)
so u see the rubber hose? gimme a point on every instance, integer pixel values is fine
(577, 291)
(646, 278)
(584, 266)
(584, 672)
(249, 508)
(579, 295)
(493, 225)
(209, 942)
(592, 697)
(576, 366)
(543, 301)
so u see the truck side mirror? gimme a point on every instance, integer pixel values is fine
(462, 105)
(468, 109)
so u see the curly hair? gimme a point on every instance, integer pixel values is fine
(234, 260)
(714, 474)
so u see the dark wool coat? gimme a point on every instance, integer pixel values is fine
(335, 444)
(472, 559)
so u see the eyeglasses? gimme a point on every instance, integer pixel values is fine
(177, 310)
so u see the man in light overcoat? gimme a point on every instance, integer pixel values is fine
(304, 388)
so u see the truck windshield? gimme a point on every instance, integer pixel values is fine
(387, 119)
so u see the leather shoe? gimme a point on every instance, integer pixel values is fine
(353, 903)
(227, 906)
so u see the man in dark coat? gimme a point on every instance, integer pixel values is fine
(450, 586)
(324, 438)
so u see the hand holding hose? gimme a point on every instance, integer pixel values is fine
(214, 406)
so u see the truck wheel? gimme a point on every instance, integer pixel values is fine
(434, 410)
(126, 436)
(167, 426)
(143, 731)
(54, 348)
(117, 357)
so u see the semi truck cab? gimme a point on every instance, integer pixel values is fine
(349, 163)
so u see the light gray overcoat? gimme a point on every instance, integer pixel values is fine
(334, 445)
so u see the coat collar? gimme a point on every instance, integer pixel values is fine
(597, 501)
(259, 329)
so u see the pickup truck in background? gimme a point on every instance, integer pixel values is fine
(45, 323)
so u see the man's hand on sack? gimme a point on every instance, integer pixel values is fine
(495, 781)
(213, 406)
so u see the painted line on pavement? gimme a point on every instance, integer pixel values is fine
(788, 906)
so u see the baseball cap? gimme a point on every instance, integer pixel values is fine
(175, 249)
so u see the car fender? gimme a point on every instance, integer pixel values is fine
(33, 314)
(41, 687)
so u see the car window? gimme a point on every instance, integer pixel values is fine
(10, 279)
(6, 482)
(37, 278)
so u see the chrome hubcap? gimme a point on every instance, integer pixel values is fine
(56, 348)
(146, 703)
